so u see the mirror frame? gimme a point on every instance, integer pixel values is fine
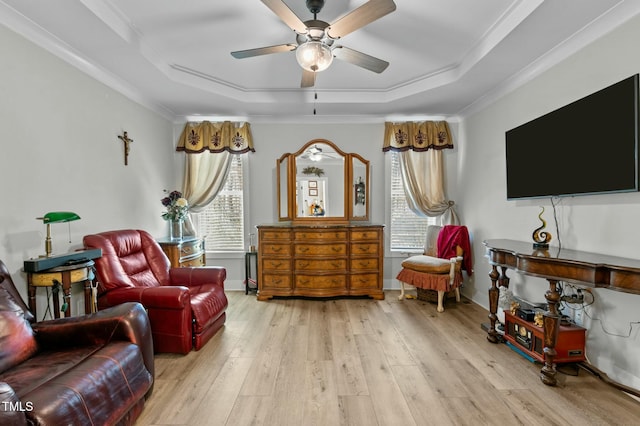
(286, 165)
(352, 188)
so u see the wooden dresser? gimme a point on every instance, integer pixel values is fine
(320, 260)
(183, 253)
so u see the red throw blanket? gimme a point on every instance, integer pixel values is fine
(449, 238)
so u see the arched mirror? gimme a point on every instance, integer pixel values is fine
(320, 182)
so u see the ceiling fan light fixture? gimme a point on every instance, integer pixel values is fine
(314, 56)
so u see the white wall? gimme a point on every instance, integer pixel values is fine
(60, 151)
(602, 224)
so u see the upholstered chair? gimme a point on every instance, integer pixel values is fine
(186, 306)
(447, 252)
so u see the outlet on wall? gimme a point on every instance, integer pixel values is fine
(577, 316)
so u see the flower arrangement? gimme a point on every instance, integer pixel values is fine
(177, 206)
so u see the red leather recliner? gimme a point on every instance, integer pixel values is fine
(186, 306)
(92, 369)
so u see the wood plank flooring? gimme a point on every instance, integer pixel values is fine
(367, 362)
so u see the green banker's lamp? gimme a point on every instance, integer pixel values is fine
(55, 217)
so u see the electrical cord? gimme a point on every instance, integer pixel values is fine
(603, 376)
(555, 219)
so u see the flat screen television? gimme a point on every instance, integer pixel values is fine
(587, 147)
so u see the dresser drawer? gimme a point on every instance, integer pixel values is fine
(360, 281)
(320, 281)
(321, 249)
(360, 235)
(280, 265)
(275, 281)
(278, 235)
(275, 249)
(358, 249)
(320, 236)
(321, 265)
(364, 264)
(191, 248)
(196, 261)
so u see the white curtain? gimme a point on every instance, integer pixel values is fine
(204, 176)
(422, 176)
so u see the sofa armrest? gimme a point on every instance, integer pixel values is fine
(164, 297)
(127, 322)
(198, 276)
(12, 410)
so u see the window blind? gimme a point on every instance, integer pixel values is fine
(222, 221)
(408, 230)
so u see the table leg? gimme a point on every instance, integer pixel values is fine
(494, 294)
(551, 325)
(54, 295)
(66, 293)
(247, 266)
(88, 304)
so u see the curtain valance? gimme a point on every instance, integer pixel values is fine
(216, 137)
(417, 136)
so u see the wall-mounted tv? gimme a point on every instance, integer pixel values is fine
(587, 147)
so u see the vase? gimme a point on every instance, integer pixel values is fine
(175, 229)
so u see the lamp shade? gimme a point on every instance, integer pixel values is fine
(57, 217)
(314, 56)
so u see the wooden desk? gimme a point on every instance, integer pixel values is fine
(583, 268)
(64, 276)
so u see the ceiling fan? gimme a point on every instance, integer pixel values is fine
(315, 39)
(315, 153)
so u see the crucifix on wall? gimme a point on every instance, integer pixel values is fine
(126, 141)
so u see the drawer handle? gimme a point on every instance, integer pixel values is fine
(276, 265)
(305, 282)
(363, 264)
(337, 249)
(336, 281)
(304, 249)
(336, 264)
(277, 281)
(276, 249)
(303, 264)
(364, 248)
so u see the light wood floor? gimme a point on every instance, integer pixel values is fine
(366, 362)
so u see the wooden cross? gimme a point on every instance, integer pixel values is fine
(125, 139)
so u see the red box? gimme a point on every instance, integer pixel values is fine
(529, 338)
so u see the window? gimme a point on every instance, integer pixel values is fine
(408, 230)
(222, 221)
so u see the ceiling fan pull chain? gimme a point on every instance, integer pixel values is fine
(315, 98)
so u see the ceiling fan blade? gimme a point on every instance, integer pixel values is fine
(308, 79)
(361, 16)
(360, 59)
(240, 54)
(286, 15)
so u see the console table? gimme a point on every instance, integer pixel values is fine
(554, 265)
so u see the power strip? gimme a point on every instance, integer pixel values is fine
(573, 298)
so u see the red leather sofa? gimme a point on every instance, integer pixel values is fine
(186, 306)
(86, 370)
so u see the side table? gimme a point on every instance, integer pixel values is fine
(187, 252)
(248, 275)
(63, 276)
